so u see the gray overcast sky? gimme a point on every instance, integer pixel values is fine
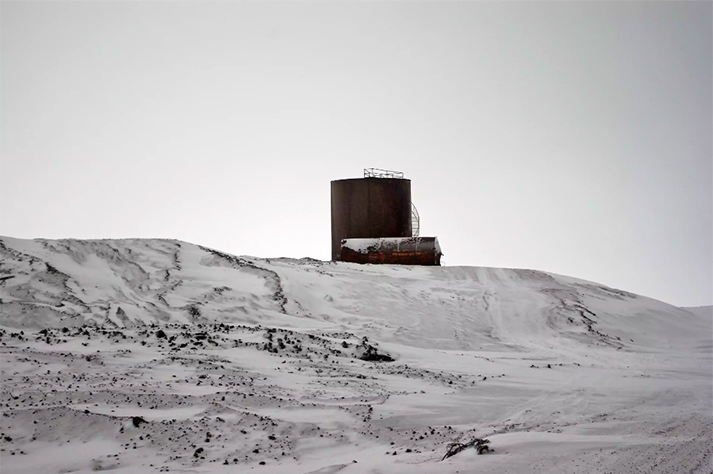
(567, 137)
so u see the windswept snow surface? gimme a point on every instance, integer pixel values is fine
(137, 356)
(703, 311)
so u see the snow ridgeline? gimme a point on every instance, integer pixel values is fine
(301, 365)
(131, 282)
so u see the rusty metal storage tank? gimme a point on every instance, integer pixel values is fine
(370, 207)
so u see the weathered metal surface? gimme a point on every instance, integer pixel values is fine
(369, 208)
(397, 251)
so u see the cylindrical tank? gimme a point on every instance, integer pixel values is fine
(370, 208)
(392, 251)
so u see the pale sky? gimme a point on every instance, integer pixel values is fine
(569, 137)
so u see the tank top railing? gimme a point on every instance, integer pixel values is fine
(379, 173)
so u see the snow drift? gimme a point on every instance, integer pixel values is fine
(130, 282)
(283, 362)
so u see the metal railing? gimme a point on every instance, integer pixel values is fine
(380, 173)
(415, 222)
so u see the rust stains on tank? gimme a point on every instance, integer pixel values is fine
(395, 251)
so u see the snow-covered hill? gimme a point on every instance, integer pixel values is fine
(702, 311)
(307, 366)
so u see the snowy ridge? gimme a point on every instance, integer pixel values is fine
(130, 282)
(307, 366)
(702, 311)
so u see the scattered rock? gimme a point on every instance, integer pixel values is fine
(137, 420)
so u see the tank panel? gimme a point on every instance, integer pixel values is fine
(395, 251)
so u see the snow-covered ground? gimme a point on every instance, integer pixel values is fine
(139, 356)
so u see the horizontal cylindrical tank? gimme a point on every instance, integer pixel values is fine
(369, 208)
(401, 251)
